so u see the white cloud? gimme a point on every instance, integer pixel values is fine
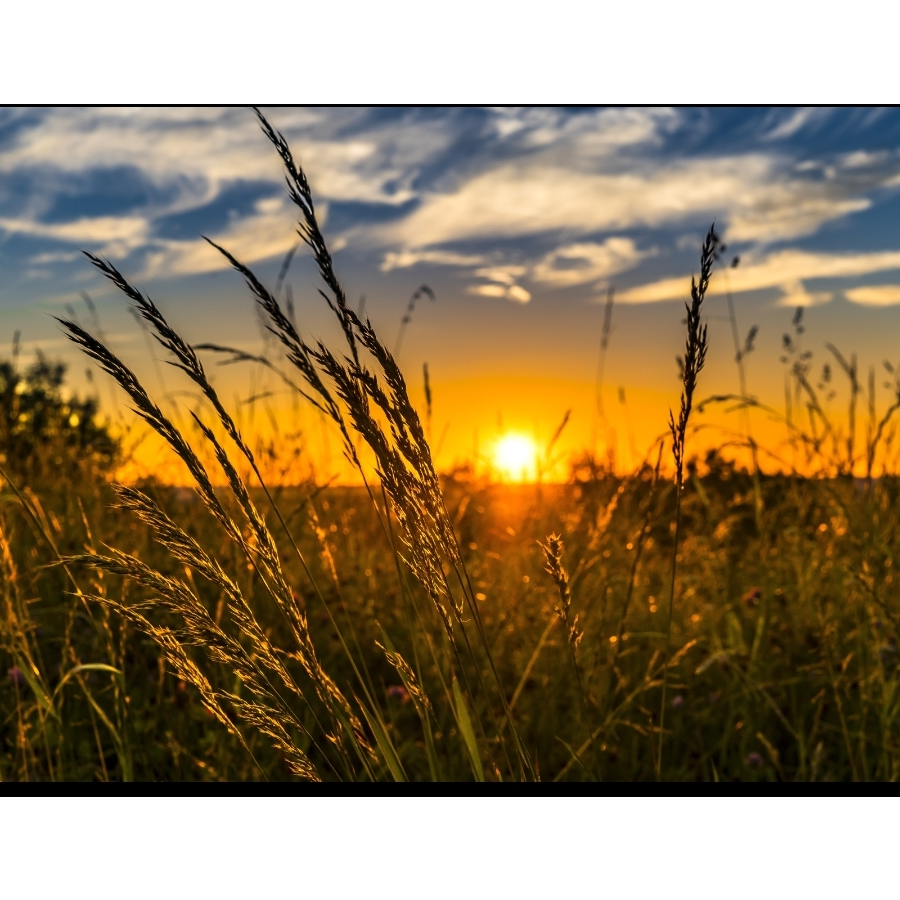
(876, 295)
(115, 235)
(513, 292)
(504, 280)
(200, 150)
(784, 269)
(575, 264)
(795, 294)
(489, 290)
(795, 122)
(567, 266)
(193, 155)
(264, 234)
(404, 259)
(45, 259)
(591, 134)
(756, 195)
(576, 175)
(860, 159)
(260, 236)
(504, 274)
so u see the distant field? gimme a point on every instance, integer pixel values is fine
(784, 635)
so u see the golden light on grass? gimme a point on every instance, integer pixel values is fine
(515, 458)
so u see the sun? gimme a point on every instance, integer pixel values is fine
(515, 458)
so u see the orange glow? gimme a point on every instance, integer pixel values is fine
(500, 427)
(515, 458)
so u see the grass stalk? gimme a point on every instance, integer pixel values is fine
(696, 345)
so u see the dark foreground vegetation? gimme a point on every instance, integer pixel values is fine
(742, 627)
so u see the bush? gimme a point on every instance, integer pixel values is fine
(42, 432)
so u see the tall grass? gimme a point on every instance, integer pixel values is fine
(369, 396)
(696, 345)
(427, 627)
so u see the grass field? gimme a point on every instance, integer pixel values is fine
(690, 621)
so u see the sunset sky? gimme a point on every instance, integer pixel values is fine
(518, 219)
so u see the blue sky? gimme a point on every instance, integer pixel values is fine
(519, 219)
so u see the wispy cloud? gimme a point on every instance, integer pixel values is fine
(567, 266)
(45, 259)
(785, 269)
(795, 294)
(592, 133)
(577, 197)
(877, 295)
(794, 122)
(514, 292)
(200, 150)
(117, 235)
(759, 198)
(262, 235)
(404, 259)
(582, 263)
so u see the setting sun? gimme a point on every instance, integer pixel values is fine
(515, 458)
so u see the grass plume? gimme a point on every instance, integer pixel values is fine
(696, 345)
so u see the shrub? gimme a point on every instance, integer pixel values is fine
(43, 432)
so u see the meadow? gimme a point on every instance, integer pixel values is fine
(696, 619)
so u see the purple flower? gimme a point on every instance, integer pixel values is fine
(16, 676)
(677, 701)
(754, 760)
(398, 692)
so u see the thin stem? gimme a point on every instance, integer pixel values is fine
(662, 711)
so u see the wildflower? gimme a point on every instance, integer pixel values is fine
(754, 760)
(677, 701)
(16, 676)
(398, 692)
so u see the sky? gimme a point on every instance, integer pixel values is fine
(520, 220)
